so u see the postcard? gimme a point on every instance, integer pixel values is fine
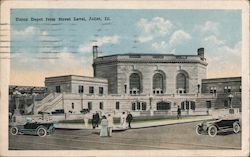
(124, 78)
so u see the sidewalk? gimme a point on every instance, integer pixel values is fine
(136, 125)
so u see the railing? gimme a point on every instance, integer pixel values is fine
(48, 102)
(52, 103)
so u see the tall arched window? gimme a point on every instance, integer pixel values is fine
(181, 83)
(135, 83)
(158, 83)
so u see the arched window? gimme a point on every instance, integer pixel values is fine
(181, 83)
(135, 83)
(158, 83)
(163, 105)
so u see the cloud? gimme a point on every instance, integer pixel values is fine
(169, 45)
(160, 45)
(178, 36)
(87, 47)
(222, 57)
(209, 27)
(29, 31)
(156, 27)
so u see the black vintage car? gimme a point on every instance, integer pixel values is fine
(35, 128)
(215, 126)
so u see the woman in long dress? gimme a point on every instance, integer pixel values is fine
(123, 120)
(104, 127)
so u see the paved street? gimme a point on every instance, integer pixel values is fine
(178, 136)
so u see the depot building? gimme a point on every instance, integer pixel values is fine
(144, 84)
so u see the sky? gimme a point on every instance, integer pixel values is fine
(52, 42)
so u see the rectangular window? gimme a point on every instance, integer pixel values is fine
(117, 105)
(58, 89)
(90, 106)
(80, 89)
(101, 90)
(227, 89)
(101, 105)
(125, 88)
(91, 90)
(212, 89)
(208, 104)
(72, 105)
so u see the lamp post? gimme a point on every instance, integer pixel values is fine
(230, 97)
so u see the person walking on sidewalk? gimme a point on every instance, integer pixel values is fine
(104, 127)
(129, 119)
(110, 124)
(123, 120)
(178, 112)
(94, 120)
(97, 119)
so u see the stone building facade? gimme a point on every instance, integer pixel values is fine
(77, 84)
(144, 84)
(152, 74)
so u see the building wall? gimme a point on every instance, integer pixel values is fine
(71, 83)
(223, 100)
(108, 71)
(74, 103)
(118, 68)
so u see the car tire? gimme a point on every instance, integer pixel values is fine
(212, 131)
(236, 127)
(14, 130)
(198, 130)
(41, 132)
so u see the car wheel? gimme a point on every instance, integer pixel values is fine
(14, 130)
(41, 132)
(212, 131)
(198, 130)
(236, 127)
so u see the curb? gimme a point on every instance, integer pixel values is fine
(152, 126)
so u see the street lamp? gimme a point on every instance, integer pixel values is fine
(230, 97)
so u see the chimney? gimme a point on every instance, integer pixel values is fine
(200, 52)
(95, 51)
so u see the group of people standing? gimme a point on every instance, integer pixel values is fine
(107, 123)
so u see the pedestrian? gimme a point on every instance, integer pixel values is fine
(94, 120)
(104, 127)
(97, 116)
(110, 124)
(123, 120)
(129, 119)
(179, 112)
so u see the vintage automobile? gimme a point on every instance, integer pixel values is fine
(219, 125)
(213, 127)
(34, 128)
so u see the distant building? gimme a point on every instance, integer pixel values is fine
(227, 91)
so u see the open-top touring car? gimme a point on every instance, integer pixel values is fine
(34, 128)
(226, 123)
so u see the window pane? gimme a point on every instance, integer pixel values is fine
(117, 105)
(90, 105)
(158, 81)
(101, 90)
(91, 90)
(134, 81)
(181, 81)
